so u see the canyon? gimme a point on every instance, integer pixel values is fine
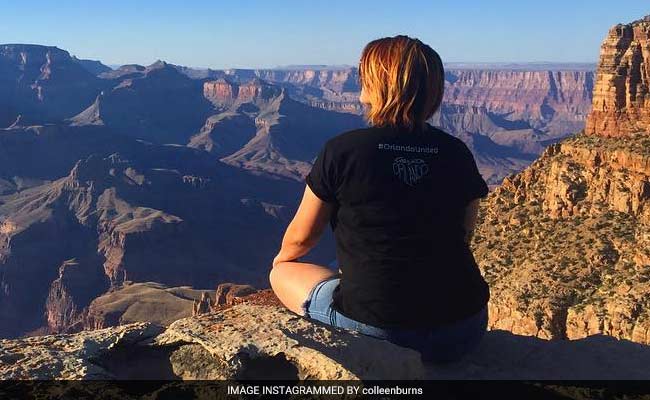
(166, 174)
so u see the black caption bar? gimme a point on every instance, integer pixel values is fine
(475, 390)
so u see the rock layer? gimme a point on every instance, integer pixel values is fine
(622, 91)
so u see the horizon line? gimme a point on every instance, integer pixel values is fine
(115, 65)
(592, 64)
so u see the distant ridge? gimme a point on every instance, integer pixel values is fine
(315, 67)
(524, 66)
(93, 66)
(514, 66)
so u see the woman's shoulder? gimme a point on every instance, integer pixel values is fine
(352, 138)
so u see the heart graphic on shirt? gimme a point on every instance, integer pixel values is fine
(410, 171)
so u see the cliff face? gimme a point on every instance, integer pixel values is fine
(554, 101)
(622, 92)
(42, 83)
(78, 283)
(565, 244)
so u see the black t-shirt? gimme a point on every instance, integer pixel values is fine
(399, 204)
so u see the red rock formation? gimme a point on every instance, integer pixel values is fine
(79, 282)
(202, 305)
(220, 91)
(225, 93)
(230, 293)
(622, 92)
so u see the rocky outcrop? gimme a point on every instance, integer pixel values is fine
(202, 305)
(231, 294)
(67, 356)
(264, 341)
(312, 351)
(72, 292)
(565, 244)
(622, 92)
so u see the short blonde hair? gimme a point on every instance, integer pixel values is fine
(403, 80)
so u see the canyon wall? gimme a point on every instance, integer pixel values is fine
(555, 101)
(565, 244)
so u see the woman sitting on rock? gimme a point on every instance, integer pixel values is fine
(402, 199)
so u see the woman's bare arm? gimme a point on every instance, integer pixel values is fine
(471, 214)
(305, 229)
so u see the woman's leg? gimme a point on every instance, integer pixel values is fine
(292, 282)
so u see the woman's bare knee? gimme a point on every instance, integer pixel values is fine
(292, 281)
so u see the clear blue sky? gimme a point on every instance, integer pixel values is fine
(237, 33)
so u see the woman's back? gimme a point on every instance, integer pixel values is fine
(400, 200)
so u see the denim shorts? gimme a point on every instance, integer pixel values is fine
(442, 344)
